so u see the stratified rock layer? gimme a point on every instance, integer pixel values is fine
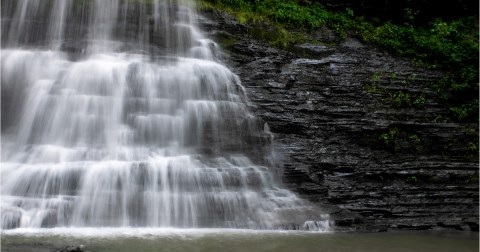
(359, 129)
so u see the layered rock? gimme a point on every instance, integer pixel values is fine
(359, 129)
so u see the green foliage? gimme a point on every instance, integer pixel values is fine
(451, 46)
(401, 99)
(224, 39)
(373, 88)
(473, 146)
(293, 15)
(420, 101)
(376, 77)
(412, 179)
(395, 139)
(464, 111)
(473, 179)
(404, 99)
(389, 138)
(414, 139)
(443, 43)
(410, 15)
(288, 13)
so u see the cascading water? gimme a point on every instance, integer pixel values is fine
(116, 113)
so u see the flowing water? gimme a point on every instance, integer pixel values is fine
(118, 113)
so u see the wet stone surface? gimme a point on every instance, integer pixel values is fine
(358, 129)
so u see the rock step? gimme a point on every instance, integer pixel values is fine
(294, 175)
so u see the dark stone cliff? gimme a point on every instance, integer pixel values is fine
(358, 129)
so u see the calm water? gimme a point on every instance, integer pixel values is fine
(233, 240)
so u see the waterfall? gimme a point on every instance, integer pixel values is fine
(117, 113)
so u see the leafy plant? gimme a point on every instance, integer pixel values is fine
(414, 139)
(389, 137)
(420, 101)
(463, 111)
(401, 99)
(451, 46)
(412, 179)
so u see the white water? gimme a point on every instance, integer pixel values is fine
(142, 232)
(118, 114)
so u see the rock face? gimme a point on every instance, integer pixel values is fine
(71, 249)
(359, 129)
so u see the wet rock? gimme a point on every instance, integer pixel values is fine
(345, 217)
(472, 225)
(326, 35)
(347, 140)
(352, 44)
(79, 248)
(450, 226)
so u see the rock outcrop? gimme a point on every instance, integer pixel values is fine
(359, 129)
(71, 249)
